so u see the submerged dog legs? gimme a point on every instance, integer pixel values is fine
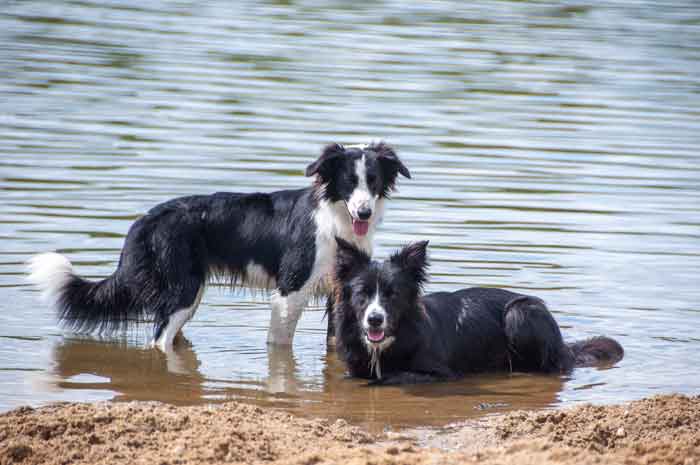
(286, 311)
(282, 369)
(330, 332)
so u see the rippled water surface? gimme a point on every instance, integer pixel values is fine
(554, 149)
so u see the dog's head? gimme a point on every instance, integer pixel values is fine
(378, 297)
(359, 176)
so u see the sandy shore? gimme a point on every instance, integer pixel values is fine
(658, 430)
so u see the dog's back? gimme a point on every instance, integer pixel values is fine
(469, 325)
(486, 329)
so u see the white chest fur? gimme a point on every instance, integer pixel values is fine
(333, 220)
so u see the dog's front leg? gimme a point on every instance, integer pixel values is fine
(330, 332)
(286, 311)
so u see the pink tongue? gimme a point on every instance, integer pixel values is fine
(375, 335)
(360, 228)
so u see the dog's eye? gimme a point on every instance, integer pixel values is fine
(361, 300)
(371, 178)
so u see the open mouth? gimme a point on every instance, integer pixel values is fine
(360, 227)
(375, 335)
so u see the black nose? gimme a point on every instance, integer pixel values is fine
(364, 213)
(375, 319)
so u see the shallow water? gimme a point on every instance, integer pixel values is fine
(553, 147)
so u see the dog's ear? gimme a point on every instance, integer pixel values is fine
(413, 259)
(325, 163)
(389, 161)
(348, 260)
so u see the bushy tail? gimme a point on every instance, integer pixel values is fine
(82, 305)
(596, 351)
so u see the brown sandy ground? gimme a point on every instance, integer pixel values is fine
(659, 430)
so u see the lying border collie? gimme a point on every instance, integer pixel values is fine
(386, 328)
(284, 241)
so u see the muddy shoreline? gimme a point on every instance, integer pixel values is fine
(658, 430)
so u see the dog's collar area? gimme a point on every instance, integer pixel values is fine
(375, 352)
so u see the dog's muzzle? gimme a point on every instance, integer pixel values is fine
(375, 330)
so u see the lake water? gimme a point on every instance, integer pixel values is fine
(554, 149)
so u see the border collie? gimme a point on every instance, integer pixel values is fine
(386, 330)
(283, 241)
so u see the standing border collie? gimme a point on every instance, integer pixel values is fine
(283, 240)
(387, 329)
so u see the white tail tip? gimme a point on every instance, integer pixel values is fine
(49, 272)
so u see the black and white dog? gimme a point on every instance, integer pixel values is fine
(388, 331)
(284, 241)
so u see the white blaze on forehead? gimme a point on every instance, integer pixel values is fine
(375, 349)
(361, 197)
(374, 307)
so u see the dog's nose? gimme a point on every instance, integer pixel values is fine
(375, 319)
(364, 213)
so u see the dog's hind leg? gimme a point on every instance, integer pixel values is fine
(286, 311)
(177, 259)
(167, 329)
(534, 339)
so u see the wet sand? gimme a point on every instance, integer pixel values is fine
(658, 430)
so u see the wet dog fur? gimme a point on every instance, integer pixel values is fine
(388, 331)
(283, 241)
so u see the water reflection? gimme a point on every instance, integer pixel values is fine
(130, 372)
(282, 373)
